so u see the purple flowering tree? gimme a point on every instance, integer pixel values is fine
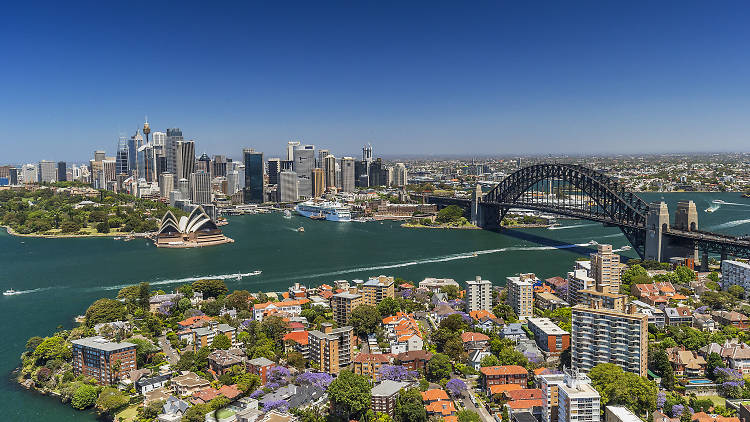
(282, 405)
(679, 409)
(257, 393)
(731, 382)
(320, 379)
(661, 400)
(277, 376)
(456, 387)
(397, 373)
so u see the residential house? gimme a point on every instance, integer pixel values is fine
(475, 358)
(188, 383)
(733, 318)
(441, 312)
(704, 322)
(403, 333)
(292, 307)
(433, 395)
(297, 341)
(549, 301)
(435, 284)
(221, 361)
(194, 322)
(679, 316)
(474, 341)
(513, 331)
(686, 363)
(158, 301)
(146, 384)
(414, 360)
(173, 410)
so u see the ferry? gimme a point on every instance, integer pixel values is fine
(331, 211)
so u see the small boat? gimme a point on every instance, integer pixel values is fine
(474, 254)
(256, 272)
(318, 217)
(300, 229)
(10, 292)
(626, 248)
(287, 214)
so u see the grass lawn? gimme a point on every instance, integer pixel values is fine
(718, 401)
(224, 413)
(128, 414)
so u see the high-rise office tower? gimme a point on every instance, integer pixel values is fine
(174, 135)
(185, 158)
(274, 168)
(13, 176)
(478, 295)
(288, 190)
(99, 155)
(286, 165)
(399, 175)
(378, 173)
(219, 167)
(367, 153)
(521, 295)
(134, 144)
(601, 335)
(29, 173)
(183, 186)
(322, 154)
(159, 139)
(122, 156)
(166, 184)
(361, 177)
(203, 163)
(290, 147)
(233, 182)
(318, 182)
(605, 269)
(47, 171)
(304, 161)
(147, 163)
(330, 171)
(200, 187)
(255, 185)
(62, 171)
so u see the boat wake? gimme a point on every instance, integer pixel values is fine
(447, 258)
(23, 292)
(572, 227)
(614, 235)
(235, 276)
(719, 201)
(730, 224)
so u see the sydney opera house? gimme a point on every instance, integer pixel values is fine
(195, 230)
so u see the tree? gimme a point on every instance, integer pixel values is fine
(565, 359)
(736, 291)
(454, 323)
(456, 387)
(221, 341)
(439, 367)
(102, 227)
(684, 274)
(144, 349)
(662, 367)
(105, 310)
(467, 415)
(454, 348)
(616, 386)
(349, 394)
(409, 407)
(450, 290)
(84, 397)
(296, 360)
(713, 276)
(449, 214)
(505, 312)
(714, 361)
(239, 300)
(397, 373)
(489, 360)
(210, 288)
(388, 306)
(52, 348)
(562, 317)
(364, 319)
(111, 400)
(635, 274)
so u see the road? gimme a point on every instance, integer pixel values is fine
(468, 404)
(172, 355)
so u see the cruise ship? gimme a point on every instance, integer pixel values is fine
(331, 211)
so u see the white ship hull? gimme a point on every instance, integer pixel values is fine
(328, 212)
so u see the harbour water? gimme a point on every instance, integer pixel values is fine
(61, 277)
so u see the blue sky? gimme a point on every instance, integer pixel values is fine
(469, 78)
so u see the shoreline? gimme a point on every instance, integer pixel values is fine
(419, 226)
(63, 236)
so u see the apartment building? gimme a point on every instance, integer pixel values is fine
(578, 280)
(104, 360)
(607, 336)
(376, 289)
(342, 305)
(384, 396)
(578, 401)
(369, 364)
(614, 301)
(521, 296)
(292, 307)
(606, 268)
(503, 374)
(548, 336)
(550, 386)
(478, 295)
(735, 273)
(331, 349)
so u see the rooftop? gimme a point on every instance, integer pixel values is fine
(100, 343)
(388, 388)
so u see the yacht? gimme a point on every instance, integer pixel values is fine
(287, 214)
(331, 211)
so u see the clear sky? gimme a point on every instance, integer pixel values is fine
(412, 78)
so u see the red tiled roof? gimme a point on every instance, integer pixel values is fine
(504, 370)
(525, 404)
(299, 337)
(194, 320)
(524, 394)
(434, 394)
(443, 407)
(371, 357)
(229, 391)
(482, 313)
(469, 336)
(502, 388)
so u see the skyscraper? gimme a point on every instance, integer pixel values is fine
(288, 186)
(330, 171)
(47, 171)
(200, 187)
(274, 168)
(378, 173)
(322, 154)
(347, 174)
(13, 175)
(304, 161)
(147, 163)
(122, 156)
(185, 158)
(29, 173)
(62, 171)
(166, 184)
(399, 175)
(290, 148)
(203, 163)
(361, 177)
(135, 143)
(159, 139)
(174, 135)
(255, 186)
(99, 155)
(318, 182)
(219, 168)
(367, 153)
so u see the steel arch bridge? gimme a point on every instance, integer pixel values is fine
(580, 192)
(574, 191)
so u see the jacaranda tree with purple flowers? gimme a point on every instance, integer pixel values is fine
(277, 376)
(320, 379)
(397, 373)
(282, 405)
(731, 382)
(456, 387)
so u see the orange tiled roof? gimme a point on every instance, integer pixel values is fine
(525, 404)
(434, 394)
(504, 370)
(502, 388)
(442, 407)
(194, 320)
(297, 302)
(469, 336)
(372, 357)
(229, 391)
(299, 337)
(482, 313)
(325, 287)
(524, 394)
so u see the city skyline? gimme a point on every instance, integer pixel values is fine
(487, 79)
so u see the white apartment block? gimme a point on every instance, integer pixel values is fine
(521, 296)
(578, 280)
(735, 273)
(578, 400)
(478, 295)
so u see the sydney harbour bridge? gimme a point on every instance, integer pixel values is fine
(579, 192)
